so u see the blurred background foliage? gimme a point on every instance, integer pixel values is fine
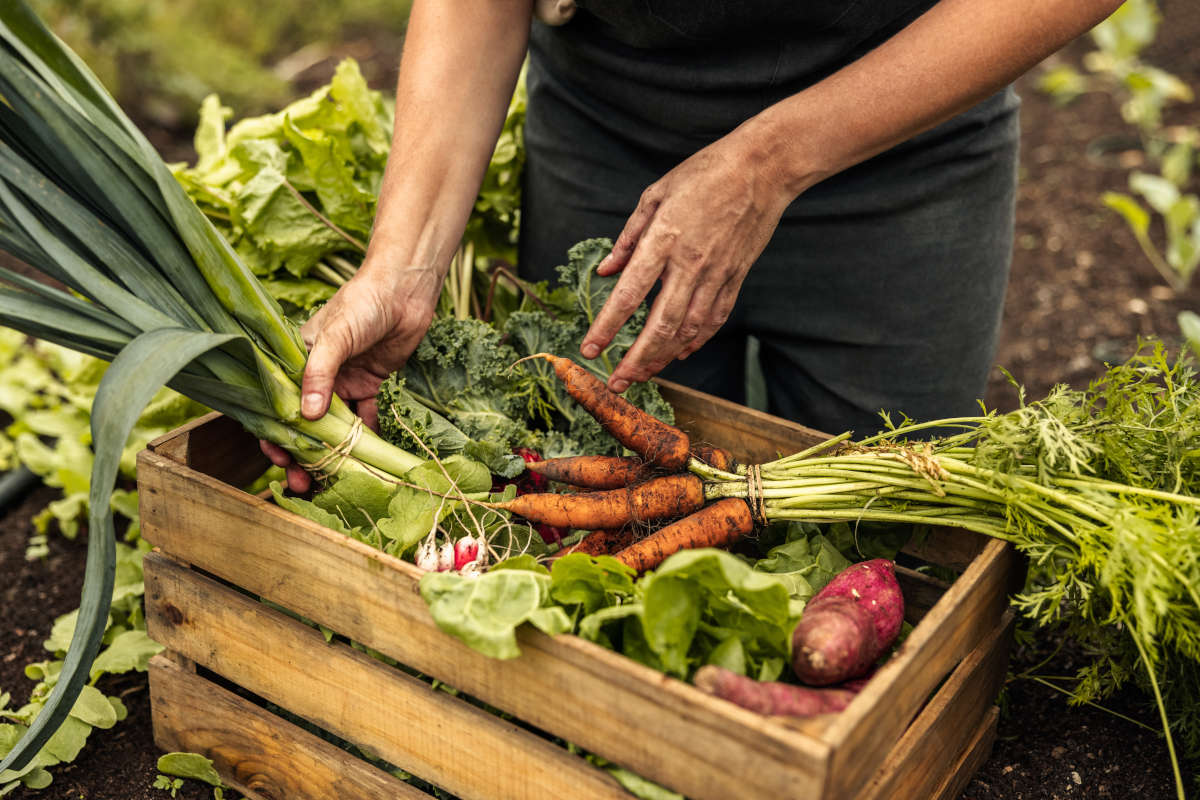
(160, 58)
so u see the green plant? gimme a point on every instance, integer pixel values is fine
(1116, 67)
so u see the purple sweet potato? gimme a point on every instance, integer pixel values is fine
(769, 697)
(849, 624)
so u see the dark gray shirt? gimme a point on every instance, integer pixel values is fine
(678, 74)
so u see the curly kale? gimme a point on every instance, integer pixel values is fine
(463, 392)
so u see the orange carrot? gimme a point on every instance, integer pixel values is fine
(657, 498)
(651, 438)
(601, 543)
(717, 525)
(593, 472)
(717, 457)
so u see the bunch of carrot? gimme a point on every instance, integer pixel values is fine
(616, 498)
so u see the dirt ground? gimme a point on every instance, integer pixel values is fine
(1081, 293)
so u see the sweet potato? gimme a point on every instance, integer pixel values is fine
(769, 697)
(848, 625)
(873, 586)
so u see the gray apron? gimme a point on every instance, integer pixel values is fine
(883, 285)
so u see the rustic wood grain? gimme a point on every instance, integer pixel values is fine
(372, 598)
(428, 732)
(915, 767)
(215, 445)
(921, 592)
(752, 436)
(256, 752)
(958, 776)
(655, 725)
(968, 612)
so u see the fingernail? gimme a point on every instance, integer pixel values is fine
(590, 350)
(620, 386)
(603, 262)
(310, 406)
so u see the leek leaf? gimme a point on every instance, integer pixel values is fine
(136, 374)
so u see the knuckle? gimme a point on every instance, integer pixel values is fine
(688, 330)
(626, 297)
(663, 329)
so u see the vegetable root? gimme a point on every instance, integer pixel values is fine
(593, 472)
(657, 498)
(717, 525)
(601, 542)
(770, 697)
(654, 440)
(849, 624)
(717, 457)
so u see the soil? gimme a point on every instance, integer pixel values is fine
(1081, 294)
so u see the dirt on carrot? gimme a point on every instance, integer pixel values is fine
(594, 472)
(717, 525)
(654, 440)
(602, 542)
(658, 498)
(717, 457)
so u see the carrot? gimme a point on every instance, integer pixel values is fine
(657, 498)
(601, 543)
(652, 439)
(717, 457)
(770, 697)
(593, 472)
(717, 525)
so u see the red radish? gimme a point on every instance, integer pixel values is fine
(466, 550)
(770, 697)
(849, 624)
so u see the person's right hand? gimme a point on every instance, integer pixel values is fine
(364, 333)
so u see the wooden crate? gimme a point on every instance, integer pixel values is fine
(919, 729)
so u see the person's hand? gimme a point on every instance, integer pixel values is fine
(699, 229)
(365, 332)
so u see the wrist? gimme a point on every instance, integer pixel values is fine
(794, 144)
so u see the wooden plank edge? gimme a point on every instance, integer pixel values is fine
(971, 760)
(877, 717)
(340, 689)
(254, 751)
(166, 444)
(984, 571)
(963, 701)
(651, 685)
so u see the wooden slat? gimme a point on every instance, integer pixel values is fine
(630, 714)
(427, 732)
(256, 752)
(921, 593)
(968, 612)
(752, 436)
(215, 445)
(959, 775)
(917, 765)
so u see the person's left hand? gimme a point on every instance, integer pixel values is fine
(699, 228)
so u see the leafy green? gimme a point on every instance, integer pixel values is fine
(463, 391)
(485, 612)
(698, 606)
(189, 765)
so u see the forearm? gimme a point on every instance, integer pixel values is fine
(953, 56)
(460, 64)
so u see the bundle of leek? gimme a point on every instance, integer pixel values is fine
(86, 200)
